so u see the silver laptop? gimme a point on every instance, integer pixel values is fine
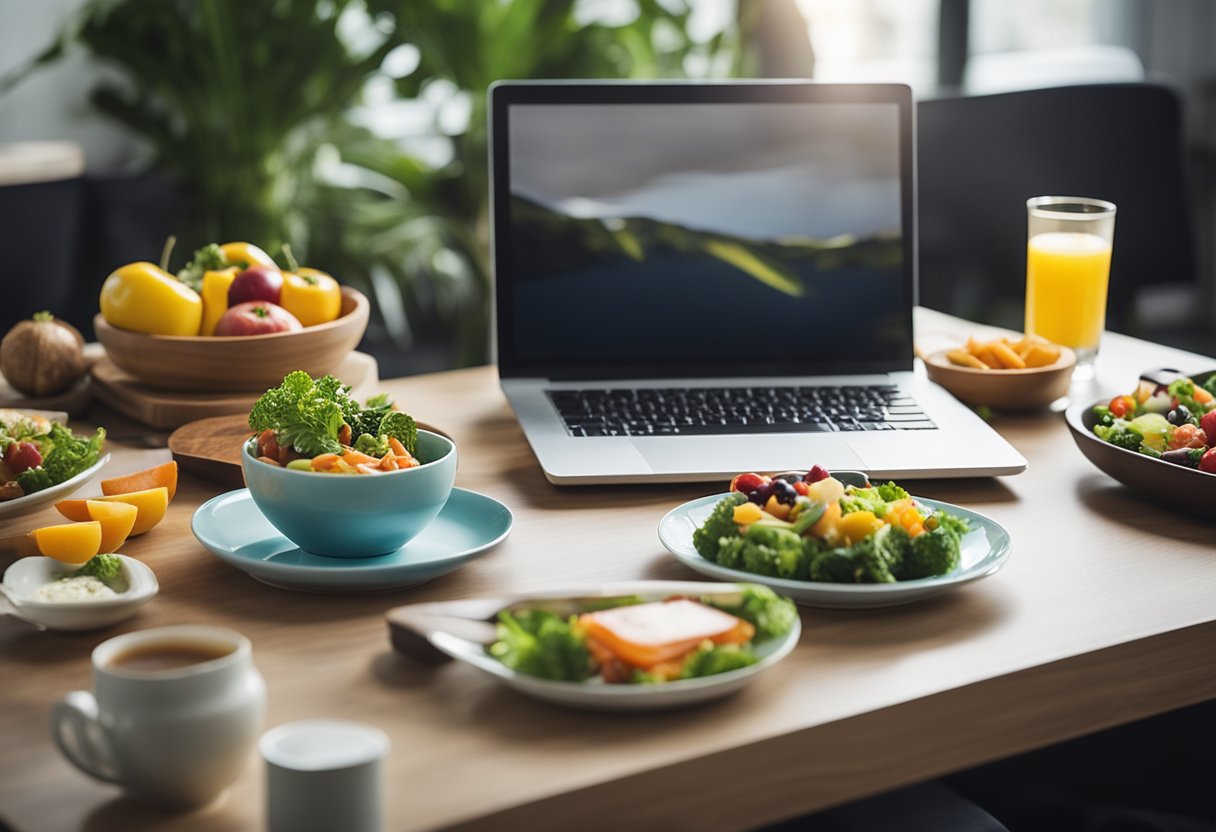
(699, 279)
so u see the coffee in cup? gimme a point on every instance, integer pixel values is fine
(172, 717)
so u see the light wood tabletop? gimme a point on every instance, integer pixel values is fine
(1104, 614)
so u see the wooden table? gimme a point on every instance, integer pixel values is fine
(1104, 614)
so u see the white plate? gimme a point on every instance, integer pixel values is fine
(985, 548)
(600, 696)
(24, 577)
(10, 508)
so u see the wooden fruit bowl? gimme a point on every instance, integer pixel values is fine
(1029, 389)
(227, 364)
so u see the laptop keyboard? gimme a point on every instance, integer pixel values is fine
(702, 411)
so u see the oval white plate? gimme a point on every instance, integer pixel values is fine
(600, 696)
(985, 548)
(22, 579)
(9, 508)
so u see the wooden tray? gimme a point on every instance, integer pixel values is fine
(211, 448)
(167, 409)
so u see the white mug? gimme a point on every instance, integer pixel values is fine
(174, 737)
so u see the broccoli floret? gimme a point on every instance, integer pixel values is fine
(1104, 416)
(719, 525)
(771, 614)
(1119, 434)
(539, 643)
(875, 499)
(882, 553)
(371, 445)
(730, 552)
(105, 568)
(401, 426)
(772, 551)
(712, 659)
(936, 552)
(873, 560)
(836, 565)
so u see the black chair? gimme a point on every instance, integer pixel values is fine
(982, 157)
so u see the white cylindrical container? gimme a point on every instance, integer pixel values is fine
(323, 774)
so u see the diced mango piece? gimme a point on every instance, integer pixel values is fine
(117, 520)
(858, 525)
(69, 542)
(825, 527)
(778, 509)
(152, 505)
(747, 513)
(161, 475)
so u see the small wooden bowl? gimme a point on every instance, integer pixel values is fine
(1028, 389)
(236, 363)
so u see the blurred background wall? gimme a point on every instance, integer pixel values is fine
(355, 130)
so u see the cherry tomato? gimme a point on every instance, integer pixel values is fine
(747, 482)
(1120, 406)
(1207, 462)
(1208, 423)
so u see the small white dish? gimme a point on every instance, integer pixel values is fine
(601, 696)
(25, 576)
(10, 508)
(984, 550)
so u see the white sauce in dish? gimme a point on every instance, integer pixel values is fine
(82, 588)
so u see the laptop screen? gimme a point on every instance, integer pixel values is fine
(702, 230)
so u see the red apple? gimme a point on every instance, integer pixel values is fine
(256, 318)
(21, 456)
(256, 283)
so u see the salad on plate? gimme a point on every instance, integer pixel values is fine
(37, 454)
(1172, 419)
(632, 641)
(812, 527)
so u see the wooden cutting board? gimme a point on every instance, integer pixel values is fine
(211, 448)
(168, 409)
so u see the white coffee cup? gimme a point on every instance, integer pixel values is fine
(175, 736)
(322, 775)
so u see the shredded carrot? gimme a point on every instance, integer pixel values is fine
(398, 448)
(388, 462)
(323, 462)
(407, 461)
(353, 457)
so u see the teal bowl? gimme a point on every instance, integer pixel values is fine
(354, 515)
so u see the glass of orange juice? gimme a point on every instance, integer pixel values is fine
(1067, 271)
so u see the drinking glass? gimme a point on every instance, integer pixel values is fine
(1067, 272)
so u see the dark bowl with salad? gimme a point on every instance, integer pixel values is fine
(1159, 439)
(339, 478)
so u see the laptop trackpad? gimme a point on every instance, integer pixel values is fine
(736, 454)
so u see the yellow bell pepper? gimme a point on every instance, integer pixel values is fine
(312, 296)
(215, 297)
(142, 297)
(246, 255)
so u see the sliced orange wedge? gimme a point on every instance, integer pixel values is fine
(71, 542)
(161, 475)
